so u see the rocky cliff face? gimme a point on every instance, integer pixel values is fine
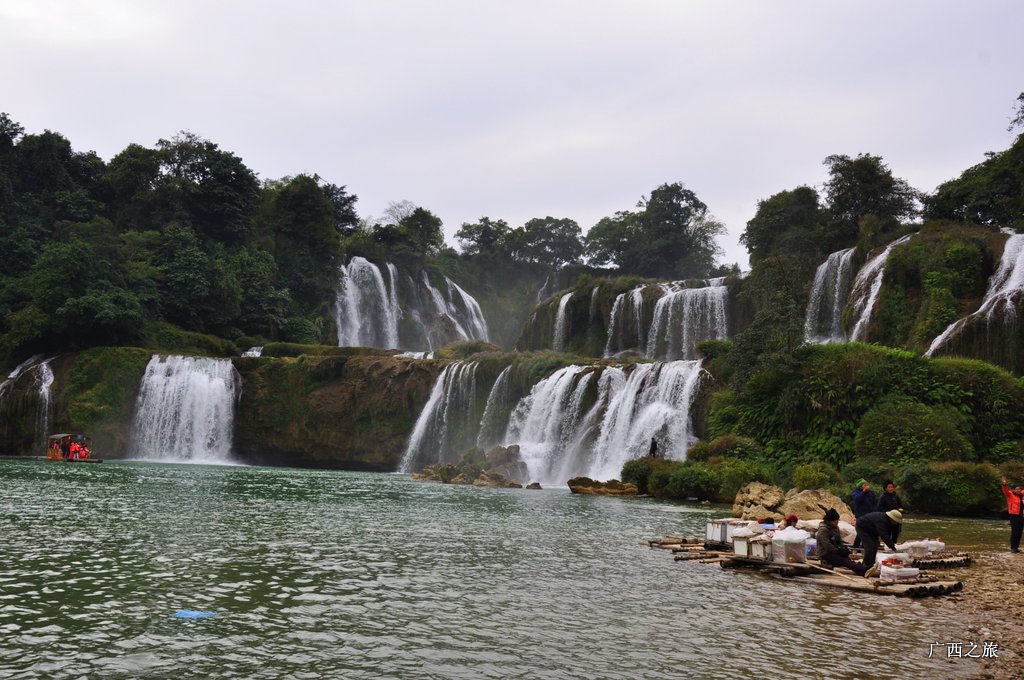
(351, 412)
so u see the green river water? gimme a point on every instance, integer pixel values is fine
(326, 574)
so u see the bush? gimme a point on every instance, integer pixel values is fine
(1005, 452)
(693, 480)
(1013, 471)
(734, 474)
(951, 488)
(726, 446)
(639, 470)
(815, 475)
(903, 430)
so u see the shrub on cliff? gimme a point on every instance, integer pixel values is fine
(816, 475)
(726, 446)
(734, 474)
(639, 470)
(693, 480)
(951, 488)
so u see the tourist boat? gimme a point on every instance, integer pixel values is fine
(70, 448)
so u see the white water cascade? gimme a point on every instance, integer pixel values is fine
(445, 426)
(44, 412)
(829, 294)
(366, 312)
(625, 326)
(371, 310)
(492, 426)
(561, 333)
(685, 317)
(559, 438)
(1007, 280)
(866, 287)
(185, 410)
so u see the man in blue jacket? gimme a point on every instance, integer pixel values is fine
(864, 501)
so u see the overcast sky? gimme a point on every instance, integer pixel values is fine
(523, 109)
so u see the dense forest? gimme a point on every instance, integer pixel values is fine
(181, 248)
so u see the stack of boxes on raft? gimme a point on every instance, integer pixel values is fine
(792, 551)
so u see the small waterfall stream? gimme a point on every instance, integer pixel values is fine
(366, 312)
(1006, 281)
(561, 333)
(44, 412)
(445, 426)
(185, 410)
(829, 294)
(866, 287)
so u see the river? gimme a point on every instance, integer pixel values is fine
(324, 574)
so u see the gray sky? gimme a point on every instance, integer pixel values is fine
(530, 108)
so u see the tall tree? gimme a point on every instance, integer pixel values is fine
(486, 237)
(551, 241)
(862, 186)
(786, 222)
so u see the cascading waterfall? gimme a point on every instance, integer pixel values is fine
(1007, 280)
(446, 426)
(185, 409)
(560, 438)
(561, 324)
(253, 352)
(492, 425)
(829, 294)
(8, 383)
(397, 312)
(685, 317)
(44, 410)
(866, 287)
(625, 326)
(364, 312)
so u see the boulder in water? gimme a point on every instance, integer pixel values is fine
(533, 485)
(758, 500)
(813, 503)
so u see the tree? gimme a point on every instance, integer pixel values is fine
(1018, 119)
(423, 230)
(671, 236)
(487, 237)
(550, 241)
(789, 221)
(862, 186)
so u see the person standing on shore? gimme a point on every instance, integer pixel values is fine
(1015, 508)
(864, 501)
(890, 500)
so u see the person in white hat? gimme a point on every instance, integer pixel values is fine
(874, 527)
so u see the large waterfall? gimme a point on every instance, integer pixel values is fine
(866, 287)
(185, 410)
(580, 420)
(34, 374)
(396, 312)
(829, 294)
(681, 318)
(1006, 282)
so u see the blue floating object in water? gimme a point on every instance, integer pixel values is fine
(189, 614)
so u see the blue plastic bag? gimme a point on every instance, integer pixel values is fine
(190, 614)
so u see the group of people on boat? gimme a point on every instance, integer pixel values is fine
(68, 448)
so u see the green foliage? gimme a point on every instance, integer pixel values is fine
(902, 430)
(815, 475)
(639, 470)
(1007, 452)
(691, 480)
(671, 236)
(726, 446)
(863, 186)
(464, 349)
(735, 473)
(102, 385)
(951, 488)
(788, 222)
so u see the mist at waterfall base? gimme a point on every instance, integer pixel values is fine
(319, 573)
(579, 421)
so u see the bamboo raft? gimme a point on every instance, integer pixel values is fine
(926, 585)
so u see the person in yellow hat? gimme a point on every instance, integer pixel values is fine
(874, 527)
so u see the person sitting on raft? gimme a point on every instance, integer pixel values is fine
(790, 521)
(831, 549)
(874, 527)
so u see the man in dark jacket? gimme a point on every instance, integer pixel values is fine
(831, 550)
(890, 500)
(864, 501)
(874, 527)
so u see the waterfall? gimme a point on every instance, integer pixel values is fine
(561, 324)
(685, 317)
(253, 352)
(458, 315)
(829, 294)
(44, 410)
(492, 424)
(185, 409)
(625, 326)
(8, 383)
(560, 437)
(364, 311)
(477, 326)
(445, 427)
(866, 287)
(1007, 280)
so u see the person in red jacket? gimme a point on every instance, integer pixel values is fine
(1015, 507)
